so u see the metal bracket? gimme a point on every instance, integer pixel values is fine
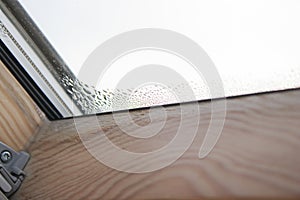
(12, 164)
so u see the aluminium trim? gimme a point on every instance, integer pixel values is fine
(41, 75)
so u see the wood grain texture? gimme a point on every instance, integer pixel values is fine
(257, 156)
(19, 116)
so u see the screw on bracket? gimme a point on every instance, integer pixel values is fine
(12, 166)
(6, 156)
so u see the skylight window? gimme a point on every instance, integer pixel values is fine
(254, 46)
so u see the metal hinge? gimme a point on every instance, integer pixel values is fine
(12, 164)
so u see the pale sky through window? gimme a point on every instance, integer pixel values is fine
(254, 44)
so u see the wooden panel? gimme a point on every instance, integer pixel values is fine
(257, 156)
(19, 116)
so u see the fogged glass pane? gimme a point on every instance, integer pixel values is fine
(254, 46)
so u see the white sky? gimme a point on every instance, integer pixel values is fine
(255, 44)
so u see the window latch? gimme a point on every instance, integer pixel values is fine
(12, 164)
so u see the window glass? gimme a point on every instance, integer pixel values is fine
(254, 45)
